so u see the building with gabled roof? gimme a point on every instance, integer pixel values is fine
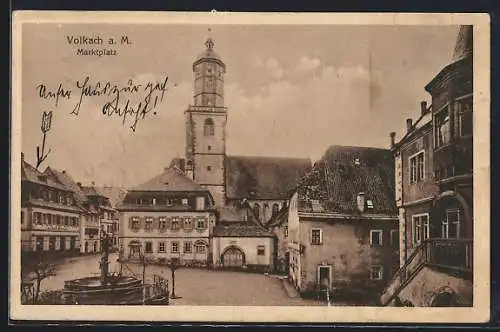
(434, 162)
(50, 214)
(168, 217)
(342, 225)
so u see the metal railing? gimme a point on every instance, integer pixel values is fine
(455, 254)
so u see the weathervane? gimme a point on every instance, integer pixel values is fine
(46, 123)
(209, 43)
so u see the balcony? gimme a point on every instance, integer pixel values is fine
(450, 255)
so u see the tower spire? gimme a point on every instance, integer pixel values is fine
(209, 43)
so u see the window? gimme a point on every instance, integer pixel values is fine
(154, 201)
(276, 209)
(420, 228)
(161, 246)
(169, 202)
(261, 250)
(450, 225)
(369, 203)
(417, 167)
(149, 247)
(256, 210)
(208, 129)
(316, 236)
(357, 162)
(136, 223)
(175, 223)
(201, 223)
(442, 129)
(149, 224)
(209, 168)
(376, 237)
(185, 201)
(285, 231)
(376, 272)
(22, 217)
(188, 247)
(175, 247)
(395, 238)
(200, 203)
(465, 116)
(162, 223)
(199, 247)
(188, 223)
(209, 148)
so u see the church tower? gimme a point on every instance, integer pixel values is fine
(206, 124)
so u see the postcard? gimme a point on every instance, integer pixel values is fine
(250, 167)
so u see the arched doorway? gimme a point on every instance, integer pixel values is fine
(446, 299)
(233, 257)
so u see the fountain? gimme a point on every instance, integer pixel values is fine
(114, 288)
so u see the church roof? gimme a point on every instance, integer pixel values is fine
(463, 45)
(172, 179)
(263, 177)
(335, 181)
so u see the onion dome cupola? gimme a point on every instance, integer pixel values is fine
(209, 70)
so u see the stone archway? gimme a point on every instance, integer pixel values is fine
(446, 297)
(233, 256)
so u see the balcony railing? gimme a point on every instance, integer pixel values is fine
(452, 254)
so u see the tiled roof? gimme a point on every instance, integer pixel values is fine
(241, 230)
(66, 179)
(345, 171)
(54, 205)
(114, 194)
(172, 179)
(31, 174)
(263, 177)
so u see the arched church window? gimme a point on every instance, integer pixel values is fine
(256, 210)
(208, 129)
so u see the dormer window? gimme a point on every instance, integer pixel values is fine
(154, 201)
(357, 162)
(184, 201)
(369, 203)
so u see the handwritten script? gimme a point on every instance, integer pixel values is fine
(131, 102)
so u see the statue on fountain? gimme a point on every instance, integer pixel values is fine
(104, 264)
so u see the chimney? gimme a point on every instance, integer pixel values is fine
(423, 107)
(165, 169)
(393, 139)
(79, 184)
(409, 124)
(64, 171)
(361, 202)
(93, 184)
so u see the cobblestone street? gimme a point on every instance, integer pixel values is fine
(194, 286)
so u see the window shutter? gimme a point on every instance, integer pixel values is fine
(320, 236)
(130, 223)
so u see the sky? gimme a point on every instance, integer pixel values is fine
(291, 90)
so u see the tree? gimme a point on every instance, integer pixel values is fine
(37, 268)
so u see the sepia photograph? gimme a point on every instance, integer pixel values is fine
(250, 167)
